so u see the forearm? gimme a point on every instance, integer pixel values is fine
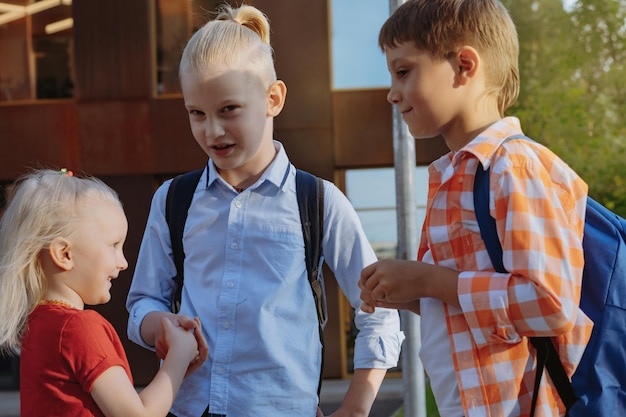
(161, 392)
(361, 392)
(442, 284)
(400, 283)
(151, 326)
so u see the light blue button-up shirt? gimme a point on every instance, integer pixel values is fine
(245, 277)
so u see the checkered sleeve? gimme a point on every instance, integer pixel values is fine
(539, 204)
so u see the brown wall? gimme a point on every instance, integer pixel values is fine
(117, 129)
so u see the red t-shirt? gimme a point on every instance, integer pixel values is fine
(63, 352)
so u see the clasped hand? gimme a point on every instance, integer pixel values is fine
(392, 283)
(164, 340)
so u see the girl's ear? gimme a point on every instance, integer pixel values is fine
(60, 253)
(468, 64)
(276, 94)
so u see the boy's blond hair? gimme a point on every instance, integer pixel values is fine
(236, 38)
(440, 27)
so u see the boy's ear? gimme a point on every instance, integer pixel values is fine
(468, 63)
(60, 253)
(276, 95)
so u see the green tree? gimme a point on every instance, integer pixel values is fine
(572, 96)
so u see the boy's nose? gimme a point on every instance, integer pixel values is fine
(213, 130)
(392, 96)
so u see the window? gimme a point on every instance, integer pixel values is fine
(176, 21)
(377, 211)
(357, 61)
(35, 50)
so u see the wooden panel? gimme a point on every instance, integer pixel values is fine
(364, 134)
(301, 45)
(176, 149)
(309, 149)
(116, 137)
(114, 49)
(362, 128)
(38, 134)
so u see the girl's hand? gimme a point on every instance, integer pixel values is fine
(163, 344)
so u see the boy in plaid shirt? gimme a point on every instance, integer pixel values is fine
(454, 68)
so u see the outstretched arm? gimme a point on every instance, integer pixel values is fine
(115, 395)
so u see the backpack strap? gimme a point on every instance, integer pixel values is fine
(179, 196)
(310, 194)
(546, 352)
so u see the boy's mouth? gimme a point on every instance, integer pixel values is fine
(223, 146)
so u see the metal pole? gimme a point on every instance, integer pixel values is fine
(404, 163)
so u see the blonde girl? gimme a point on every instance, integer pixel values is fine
(61, 240)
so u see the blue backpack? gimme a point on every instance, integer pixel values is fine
(598, 387)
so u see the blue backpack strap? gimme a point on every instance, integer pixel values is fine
(546, 352)
(178, 200)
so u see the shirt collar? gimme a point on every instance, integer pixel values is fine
(484, 146)
(275, 173)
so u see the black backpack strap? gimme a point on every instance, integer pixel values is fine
(179, 196)
(310, 194)
(546, 352)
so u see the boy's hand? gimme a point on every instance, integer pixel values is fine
(390, 283)
(164, 344)
(399, 284)
(203, 349)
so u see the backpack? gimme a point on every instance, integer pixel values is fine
(310, 195)
(598, 386)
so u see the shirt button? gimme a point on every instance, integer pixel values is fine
(460, 179)
(234, 245)
(238, 204)
(230, 284)
(226, 325)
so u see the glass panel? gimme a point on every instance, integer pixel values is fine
(357, 61)
(36, 49)
(377, 210)
(176, 20)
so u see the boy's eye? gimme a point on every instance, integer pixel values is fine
(196, 113)
(228, 108)
(401, 73)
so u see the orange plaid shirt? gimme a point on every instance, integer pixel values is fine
(539, 206)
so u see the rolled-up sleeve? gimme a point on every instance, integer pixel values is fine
(347, 251)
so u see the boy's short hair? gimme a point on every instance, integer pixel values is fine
(237, 37)
(440, 27)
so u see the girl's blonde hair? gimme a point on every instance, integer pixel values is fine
(237, 38)
(440, 27)
(43, 206)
